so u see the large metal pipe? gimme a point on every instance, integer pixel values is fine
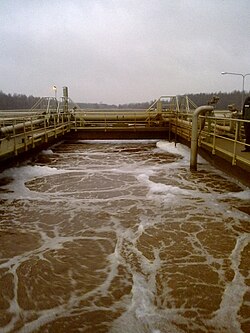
(194, 137)
(116, 116)
(20, 126)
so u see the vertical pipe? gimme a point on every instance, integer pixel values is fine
(45, 131)
(235, 143)
(175, 136)
(159, 106)
(214, 136)
(55, 132)
(243, 92)
(194, 136)
(25, 136)
(32, 132)
(80, 118)
(14, 135)
(65, 100)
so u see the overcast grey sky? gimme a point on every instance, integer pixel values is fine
(119, 51)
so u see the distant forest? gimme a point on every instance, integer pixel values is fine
(20, 101)
(16, 101)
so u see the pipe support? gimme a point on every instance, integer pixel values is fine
(194, 137)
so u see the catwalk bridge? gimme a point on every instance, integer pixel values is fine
(217, 134)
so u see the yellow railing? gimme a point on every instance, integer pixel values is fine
(23, 134)
(221, 135)
(226, 136)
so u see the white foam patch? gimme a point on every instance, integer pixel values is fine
(162, 188)
(140, 314)
(23, 174)
(178, 149)
(234, 292)
(28, 172)
(173, 148)
(243, 195)
(47, 152)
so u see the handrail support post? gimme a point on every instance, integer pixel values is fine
(194, 136)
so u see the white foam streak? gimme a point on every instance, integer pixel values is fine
(173, 148)
(138, 317)
(47, 152)
(23, 174)
(162, 188)
(234, 292)
(28, 172)
(130, 220)
(178, 149)
(243, 195)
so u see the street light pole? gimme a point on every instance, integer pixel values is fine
(243, 84)
(55, 90)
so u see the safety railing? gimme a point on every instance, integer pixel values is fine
(19, 135)
(225, 136)
(222, 134)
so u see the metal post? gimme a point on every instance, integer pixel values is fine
(214, 136)
(159, 106)
(25, 136)
(55, 90)
(243, 92)
(80, 118)
(175, 136)
(45, 130)
(32, 132)
(235, 143)
(194, 137)
(14, 136)
(65, 99)
(55, 132)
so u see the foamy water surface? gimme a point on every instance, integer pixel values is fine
(121, 237)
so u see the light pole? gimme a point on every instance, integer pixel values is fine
(243, 84)
(55, 90)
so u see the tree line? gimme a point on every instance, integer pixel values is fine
(20, 101)
(16, 101)
(225, 99)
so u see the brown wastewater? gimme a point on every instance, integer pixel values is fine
(120, 237)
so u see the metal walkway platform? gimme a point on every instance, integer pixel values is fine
(221, 134)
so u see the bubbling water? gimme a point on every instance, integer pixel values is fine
(122, 237)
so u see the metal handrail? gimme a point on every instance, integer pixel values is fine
(19, 136)
(219, 134)
(228, 138)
